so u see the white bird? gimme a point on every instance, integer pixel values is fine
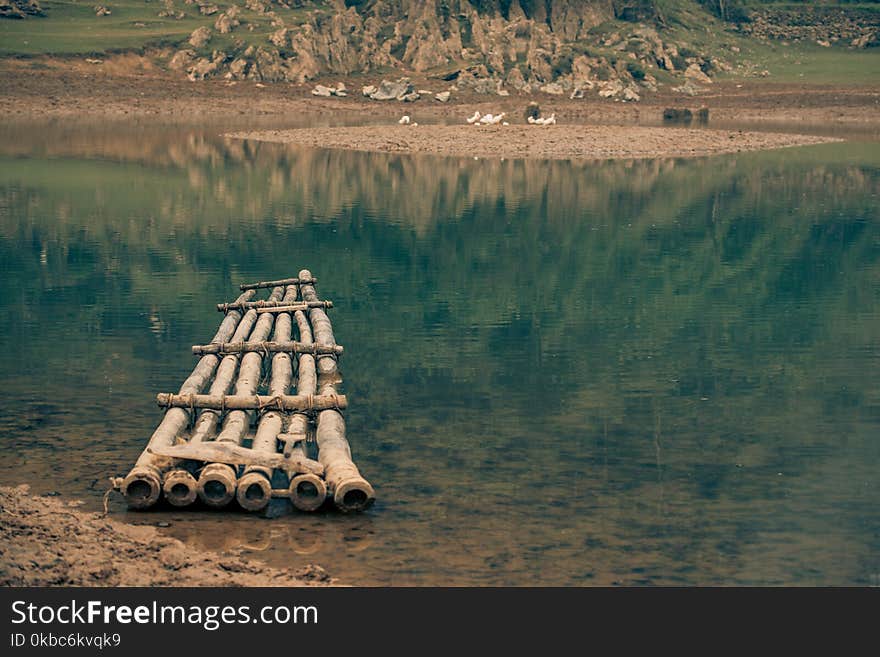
(504, 123)
(487, 119)
(404, 120)
(474, 118)
(497, 118)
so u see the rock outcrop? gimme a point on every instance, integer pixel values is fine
(487, 47)
(20, 8)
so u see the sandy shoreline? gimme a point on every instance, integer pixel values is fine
(569, 142)
(45, 541)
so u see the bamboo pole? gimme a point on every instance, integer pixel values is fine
(254, 490)
(286, 346)
(216, 485)
(282, 281)
(143, 484)
(253, 402)
(351, 492)
(295, 307)
(294, 304)
(180, 486)
(307, 491)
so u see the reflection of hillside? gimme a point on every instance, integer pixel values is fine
(566, 327)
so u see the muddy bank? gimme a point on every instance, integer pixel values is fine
(569, 142)
(126, 87)
(46, 541)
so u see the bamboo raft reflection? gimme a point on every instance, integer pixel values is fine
(247, 437)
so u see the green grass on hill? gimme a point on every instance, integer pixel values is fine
(72, 28)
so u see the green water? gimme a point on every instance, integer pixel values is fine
(659, 372)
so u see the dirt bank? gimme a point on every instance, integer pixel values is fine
(45, 541)
(569, 142)
(132, 86)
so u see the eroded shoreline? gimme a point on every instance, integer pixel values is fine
(45, 541)
(557, 142)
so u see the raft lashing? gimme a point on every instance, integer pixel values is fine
(240, 428)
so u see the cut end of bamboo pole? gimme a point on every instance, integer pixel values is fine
(142, 487)
(354, 495)
(307, 492)
(180, 488)
(216, 486)
(254, 491)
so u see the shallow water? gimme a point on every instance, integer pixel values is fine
(655, 372)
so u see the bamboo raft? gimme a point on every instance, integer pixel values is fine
(241, 428)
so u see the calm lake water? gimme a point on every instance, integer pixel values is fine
(659, 372)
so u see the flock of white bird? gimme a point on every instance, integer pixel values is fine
(550, 120)
(489, 119)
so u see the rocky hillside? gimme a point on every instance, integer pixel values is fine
(615, 48)
(555, 46)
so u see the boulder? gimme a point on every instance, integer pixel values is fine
(279, 38)
(368, 90)
(200, 37)
(392, 90)
(443, 96)
(202, 69)
(410, 97)
(631, 95)
(228, 20)
(869, 40)
(321, 90)
(101, 10)
(694, 72)
(553, 88)
(611, 89)
(237, 70)
(689, 88)
(182, 60)
(208, 10)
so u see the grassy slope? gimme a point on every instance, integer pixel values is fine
(72, 28)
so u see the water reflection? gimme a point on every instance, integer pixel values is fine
(645, 371)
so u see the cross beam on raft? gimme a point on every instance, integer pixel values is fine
(288, 347)
(295, 307)
(282, 281)
(253, 402)
(282, 306)
(231, 454)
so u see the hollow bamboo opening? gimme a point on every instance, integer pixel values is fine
(142, 487)
(216, 486)
(254, 491)
(180, 488)
(307, 492)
